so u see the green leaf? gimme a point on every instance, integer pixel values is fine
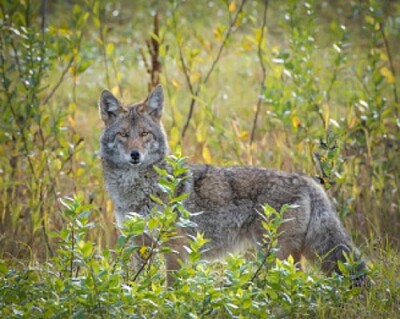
(156, 199)
(179, 198)
(3, 267)
(153, 223)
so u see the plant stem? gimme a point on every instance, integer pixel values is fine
(210, 70)
(392, 68)
(264, 74)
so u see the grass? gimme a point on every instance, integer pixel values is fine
(331, 87)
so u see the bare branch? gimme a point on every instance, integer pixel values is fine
(211, 69)
(264, 73)
(60, 80)
(102, 16)
(44, 18)
(185, 68)
(385, 40)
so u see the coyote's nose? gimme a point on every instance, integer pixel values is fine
(135, 155)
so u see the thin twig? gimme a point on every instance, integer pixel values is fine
(18, 64)
(211, 69)
(155, 53)
(261, 266)
(359, 78)
(64, 72)
(224, 41)
(153, 47)
(102, 13)
(385, 40)
(44, 20)
(155, 244)
(182, 59)
(59, 82)
(264, 74)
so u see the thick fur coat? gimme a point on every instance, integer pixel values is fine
(230, 198)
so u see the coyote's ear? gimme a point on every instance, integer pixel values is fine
(155, 102)
(109, 106)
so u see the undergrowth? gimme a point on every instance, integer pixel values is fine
(85, 281)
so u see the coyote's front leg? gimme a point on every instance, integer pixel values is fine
(177, 244)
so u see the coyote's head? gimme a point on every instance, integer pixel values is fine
(133, 135)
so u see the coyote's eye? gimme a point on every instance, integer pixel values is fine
(123, 134)
(144, 133)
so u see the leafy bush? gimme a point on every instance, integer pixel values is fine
(82, 281)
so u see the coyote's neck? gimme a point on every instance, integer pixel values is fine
(130, 188)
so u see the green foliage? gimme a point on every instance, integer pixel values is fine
(328, 107)
(82, 280)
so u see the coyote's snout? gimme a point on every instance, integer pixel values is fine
(133, 141)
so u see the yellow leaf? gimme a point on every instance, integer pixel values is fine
(175, 84)
(57, 163)
(110, 49)
(115, 90)
(45, 119)
(71, 121)
(144, 252)
(195, 77)
(295, 121)
(109, 206)
(276, 49)
(174, 137)
(384, 57)
(388, 75)
(119, 76)
(79, 172)
(247, 45)
(232, 6)
(218, 34)
(201, 132)
(72, 107)
(369, 19)
(257, 35)
(326, 113)
(206, 155)
(244, 135)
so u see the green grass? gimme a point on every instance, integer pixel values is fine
(331, 87)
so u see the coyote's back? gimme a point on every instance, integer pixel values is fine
(230, 198)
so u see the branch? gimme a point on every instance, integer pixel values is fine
(60, 80)
(214, 63)
(153, 48)
(44, 18)
(385, 40)
(102, 13)
(223, 44)
(145, 261)
(182, 58)
(264, 74)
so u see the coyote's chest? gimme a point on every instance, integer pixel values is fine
(130, 191)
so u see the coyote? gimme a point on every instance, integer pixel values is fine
(134, 141)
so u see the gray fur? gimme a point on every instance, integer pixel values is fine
(230, 197)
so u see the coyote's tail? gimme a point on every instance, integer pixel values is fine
(326, 239)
